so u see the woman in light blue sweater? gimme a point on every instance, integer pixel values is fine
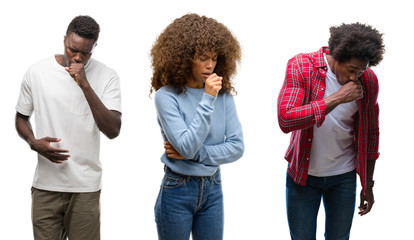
(193, 60)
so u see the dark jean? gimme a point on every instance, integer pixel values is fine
(302, 204)
(188, 204)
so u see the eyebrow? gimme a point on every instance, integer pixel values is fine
(80, 51)
(357, 68)
(77, 50)
(207, 55)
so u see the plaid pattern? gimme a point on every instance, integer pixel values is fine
(301, 106)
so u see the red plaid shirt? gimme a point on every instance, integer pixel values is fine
(301, 106)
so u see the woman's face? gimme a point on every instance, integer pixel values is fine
(203, 67)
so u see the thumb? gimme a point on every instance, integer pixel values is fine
(362, 198)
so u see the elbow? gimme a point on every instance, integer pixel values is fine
(239, 150)
(284, 129)
(112, 127)
(283, 125)
(113, 130)
(112, 133)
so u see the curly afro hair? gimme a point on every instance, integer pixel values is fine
(356, 40)
(85, 27)
(187, 38)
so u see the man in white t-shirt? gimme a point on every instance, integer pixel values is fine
(74, 98)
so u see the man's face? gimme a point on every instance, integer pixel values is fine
(77, 49)
(349, 70)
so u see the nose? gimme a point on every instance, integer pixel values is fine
(209, 64)
(353, 77)
(78, 58)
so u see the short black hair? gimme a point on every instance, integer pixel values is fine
(85, 27)
(356, 40)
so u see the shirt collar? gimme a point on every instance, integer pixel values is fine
(318, 58)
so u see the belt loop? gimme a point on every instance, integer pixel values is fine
(212, 176)
(182, 176)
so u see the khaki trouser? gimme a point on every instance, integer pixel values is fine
(58, 215)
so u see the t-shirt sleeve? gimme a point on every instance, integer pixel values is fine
(25, 102)
(112, 94)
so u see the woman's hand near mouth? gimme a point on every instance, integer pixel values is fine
(213, 85)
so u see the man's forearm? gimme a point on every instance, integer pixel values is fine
(370, 170)
(24, 128)
(108, 122)
(331, 102)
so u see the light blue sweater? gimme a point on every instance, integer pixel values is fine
(205, 130)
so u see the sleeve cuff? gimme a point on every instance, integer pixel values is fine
(208, 100)
(319, 111)
(23, 111)
(373, 156)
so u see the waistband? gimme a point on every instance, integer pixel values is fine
(188, 177)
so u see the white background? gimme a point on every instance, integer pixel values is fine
(270, 33)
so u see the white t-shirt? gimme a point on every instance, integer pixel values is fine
(333, 149)
(61, 111)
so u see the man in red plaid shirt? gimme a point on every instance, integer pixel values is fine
(329, 102)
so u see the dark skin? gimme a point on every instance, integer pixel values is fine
(42, 145)
(77, 53)
(347, 74)
(367, 199)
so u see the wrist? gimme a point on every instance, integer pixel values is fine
(32, 143)
(370, 183)
(332, 101)
(30, 140)
(84, 85)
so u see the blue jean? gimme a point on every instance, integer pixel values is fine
(188, 204)
(302, 203)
